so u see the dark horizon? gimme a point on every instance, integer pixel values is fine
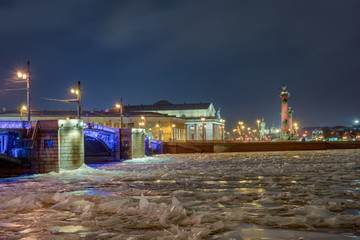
(236, 55)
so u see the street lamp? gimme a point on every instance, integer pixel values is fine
(143, 118)
(22, 108)
(204, 130)
(173, 131)
(296, 128)
(78, 99)
(234, 134)
(258, 126)
(241, 124)
(27, 77)
(120, 107)
(192, 132)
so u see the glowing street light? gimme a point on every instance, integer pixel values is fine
(296, 127)
(27, 77)
(204, 130)
(22, 108)
(144, 124)
(356, 121)
(78, 99)
(173, 131)
(120, 107)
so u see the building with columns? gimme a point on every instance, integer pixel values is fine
(203, 122)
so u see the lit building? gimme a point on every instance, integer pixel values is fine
(202, 120)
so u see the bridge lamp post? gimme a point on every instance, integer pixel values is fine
(258, 126)
(143, 118)
(26, 76)
(120, 107)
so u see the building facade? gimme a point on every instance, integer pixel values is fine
(202, 121)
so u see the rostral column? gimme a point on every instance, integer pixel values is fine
(285, 123)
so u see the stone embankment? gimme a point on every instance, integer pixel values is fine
(219, 147)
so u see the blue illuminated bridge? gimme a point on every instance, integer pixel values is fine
(16, 138)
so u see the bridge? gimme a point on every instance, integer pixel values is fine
(50, 145)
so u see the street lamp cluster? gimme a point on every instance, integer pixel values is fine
(244, 135)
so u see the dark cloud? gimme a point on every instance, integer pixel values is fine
(236, 54)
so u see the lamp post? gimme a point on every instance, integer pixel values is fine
(22, 108)
(296, 128)
(203, 127)
(241, 124)
(143, 118)
(120, 107)
(234, 134)
(78, 99)
(258, 126)
(192, 132)
(27, 77)
(173, 131)
(243, 129)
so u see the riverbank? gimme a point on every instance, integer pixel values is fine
(219, 147)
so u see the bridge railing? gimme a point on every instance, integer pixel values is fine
(99, 127)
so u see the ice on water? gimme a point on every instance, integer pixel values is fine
(266, 195)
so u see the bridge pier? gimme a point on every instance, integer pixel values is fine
(59, 144)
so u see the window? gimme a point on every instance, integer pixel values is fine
(49, 144)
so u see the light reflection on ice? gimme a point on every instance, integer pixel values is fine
(268, 195)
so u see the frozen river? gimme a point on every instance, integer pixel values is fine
(265, 195)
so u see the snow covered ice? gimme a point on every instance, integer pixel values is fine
(264, 195)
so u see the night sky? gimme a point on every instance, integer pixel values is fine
(235, 54)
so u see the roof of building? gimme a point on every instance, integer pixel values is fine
(166, 105)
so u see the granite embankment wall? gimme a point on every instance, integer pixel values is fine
(219, 147)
